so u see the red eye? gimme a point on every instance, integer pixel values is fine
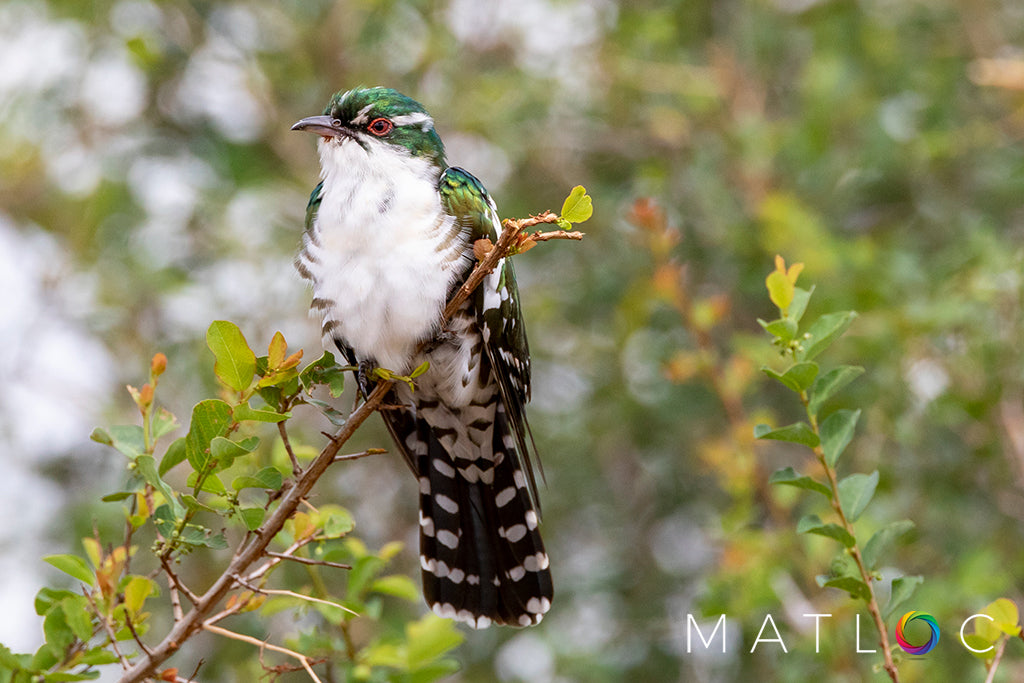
(380, 127)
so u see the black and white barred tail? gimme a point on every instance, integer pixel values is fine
(481, 553)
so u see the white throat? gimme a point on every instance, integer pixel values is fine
(383, 253)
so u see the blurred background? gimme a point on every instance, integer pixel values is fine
(149, 184)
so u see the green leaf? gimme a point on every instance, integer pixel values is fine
(780, 290)
(812, 524)
(324, 371)
(902, 590)
(235, 361)
(980, 647)
(429, 639)
(136, 591)
(224, 450)
(1004, 612)
(164, 422)
(784, 329)
(59, 635)
(578, 206)
(74, 566)
(879, 543)
(210, 418)
(397, 585)
(799, 303)
(48, 597)
(799, 432)
(210, 483)
(78, 616)
(855, 492)
(855, 587)
(798, 378)
(244, 412)
(338, 523)
(174, 455)
(789, 477)
(252, 517)
(146, 466)
(128, 439)
(824, 331)
(836, 434)
(830, 383)
(98, 656)
(266, 478)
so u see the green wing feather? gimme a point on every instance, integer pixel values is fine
(498, 312)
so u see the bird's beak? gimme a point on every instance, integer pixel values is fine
(321, 125)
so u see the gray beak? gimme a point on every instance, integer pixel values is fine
(321, 125)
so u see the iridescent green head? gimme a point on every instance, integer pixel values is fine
(375, 116)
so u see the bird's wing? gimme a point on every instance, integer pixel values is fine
(496, 304)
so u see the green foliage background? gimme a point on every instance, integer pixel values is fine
(150, 185)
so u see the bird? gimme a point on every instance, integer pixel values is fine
(389, 237)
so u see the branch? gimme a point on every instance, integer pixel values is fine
(264, 645)
(307, 560)
(256, 543)
(250, 552)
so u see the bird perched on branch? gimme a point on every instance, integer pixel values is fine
(389, 237)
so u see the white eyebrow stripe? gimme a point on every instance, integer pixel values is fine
(361, 116)
(426, 123)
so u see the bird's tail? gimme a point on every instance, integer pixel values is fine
(481, 553)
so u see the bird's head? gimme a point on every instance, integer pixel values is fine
(377, 119)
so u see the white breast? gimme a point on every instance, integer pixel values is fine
(383, 253)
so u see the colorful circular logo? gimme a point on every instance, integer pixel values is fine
(917, 649)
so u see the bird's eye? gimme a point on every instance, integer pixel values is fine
(380, 127)
(336, 123)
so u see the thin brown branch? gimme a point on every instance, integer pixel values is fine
(1000, 648)
(557, 235)
(110, 631)
(264, 645)
(283, 431)
(363, 454)
(512, 228)
(307, 560)
(135, 635)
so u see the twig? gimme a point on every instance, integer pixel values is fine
(995, 661)
(264, 645)
(854, 551)
(557, 235)
(290, 594)
(356, 456)
(307, 560)
(283, 431)
(512, 228)
(135, 635)
(110, 631)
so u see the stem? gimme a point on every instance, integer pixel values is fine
(249, 553)
(865, 575)
(995, 662)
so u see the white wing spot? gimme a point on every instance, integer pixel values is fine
(519, 479)
(535, 563)
(426, 525)
(456, 575)
(447, 538)
(531, 519)
(428, 564)
(516, 573)
(505, 497)
(424, 486)
(446, 503)
(444, 468)
(513, 533)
